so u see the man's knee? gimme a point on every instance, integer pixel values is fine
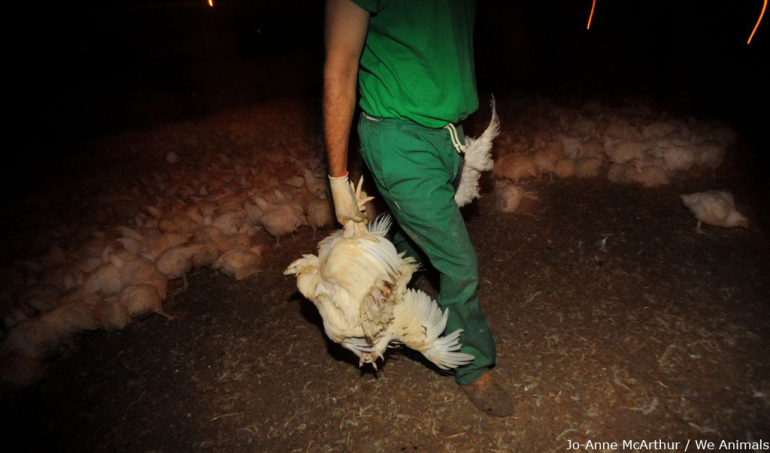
(467, 267)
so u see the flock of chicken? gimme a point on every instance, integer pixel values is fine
(633, 144)
(189, 215)
(213, 210)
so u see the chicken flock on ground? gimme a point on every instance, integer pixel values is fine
(632, 144)
(97, 251)
(110, 264)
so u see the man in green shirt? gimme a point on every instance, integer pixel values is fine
(413, 63)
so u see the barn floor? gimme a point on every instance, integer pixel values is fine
(614, 321)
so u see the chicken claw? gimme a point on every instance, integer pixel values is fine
(361, 197)
(368, 357)
(353, 227)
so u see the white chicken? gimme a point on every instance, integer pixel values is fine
(650, 176)
(571, 147)
(622, 151)
(710, 154)
(314, 185)
(320, 214)
(565, 168)
(358, 283)
(588, 167)
(516, 167)
(279, 219)
(477, 159)
(508, 197)
(239, 263)
(677, 158)
(141, 300)
(714, 207)
(545, 160)
(620, 173)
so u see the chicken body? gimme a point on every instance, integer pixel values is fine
(516, 167)
(239, 263)
(280, 219)
(714, 207)
(320, 214)
(358, 283)
(678, 158)
(623, 151)
(588, 167)
(508, 197)
(650, 176)
(545, 160)
(564, 168)
(477, 159)
(314, 185)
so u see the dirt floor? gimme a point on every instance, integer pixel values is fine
(614, 321)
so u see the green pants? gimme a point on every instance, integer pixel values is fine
(416, 170)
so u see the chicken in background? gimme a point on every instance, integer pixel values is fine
(710, 154)
(240, 263)
(509, 196)
(545, 161)
(515, 167)
(279, 219)
(314, 184)
(588, 167)
(565, 168)
(649, 175)
(714, 207)
(320, 214)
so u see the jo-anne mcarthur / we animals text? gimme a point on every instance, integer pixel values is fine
(700, 445)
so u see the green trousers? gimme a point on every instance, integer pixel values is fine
(416, 170)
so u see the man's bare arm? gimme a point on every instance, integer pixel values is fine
(345, 33)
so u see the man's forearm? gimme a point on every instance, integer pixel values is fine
(338, 105)
(344, 35)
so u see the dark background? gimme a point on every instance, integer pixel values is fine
(87, 68)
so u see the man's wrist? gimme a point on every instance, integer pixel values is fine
(338, 175)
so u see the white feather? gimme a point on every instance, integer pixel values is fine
(422, 322)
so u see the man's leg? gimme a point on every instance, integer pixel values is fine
(414, 172)
(405, 244)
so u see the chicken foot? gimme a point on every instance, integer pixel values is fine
(168, 317)
(368, 357)
(699, 230)
(179, 291)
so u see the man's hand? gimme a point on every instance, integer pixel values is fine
(348, 203)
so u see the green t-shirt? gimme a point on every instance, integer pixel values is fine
(417, 62)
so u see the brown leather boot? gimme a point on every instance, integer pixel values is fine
(489, 397)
